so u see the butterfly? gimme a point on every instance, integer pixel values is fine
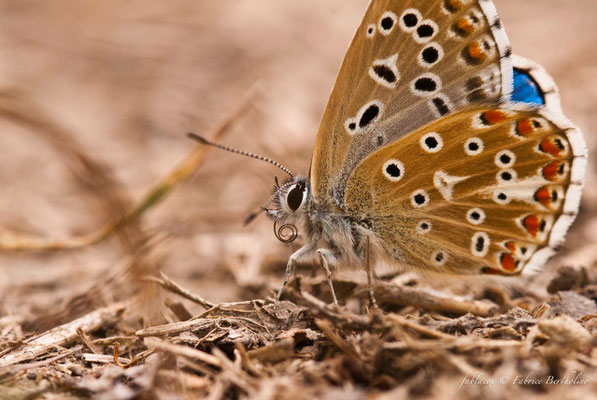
(439, 150)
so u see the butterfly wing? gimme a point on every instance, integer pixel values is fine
(479, 191)
(409, 63)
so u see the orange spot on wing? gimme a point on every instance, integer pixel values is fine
(511, 246)
(532, 224)
(551, 146)
(508, 262)
(465, 26)
(454, 5)
(493, 117)
(550, 172)
(476, 52)
(543, 196)
(524, 127)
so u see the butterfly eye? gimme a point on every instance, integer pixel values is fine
(295, 196)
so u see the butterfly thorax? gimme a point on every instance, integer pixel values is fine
(319, 224)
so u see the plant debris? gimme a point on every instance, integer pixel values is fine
(290, 349)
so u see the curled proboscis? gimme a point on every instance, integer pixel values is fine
(286, 233)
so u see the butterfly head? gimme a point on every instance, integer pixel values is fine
(290, 200)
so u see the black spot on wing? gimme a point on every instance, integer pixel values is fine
(505, 159)
(430, 55)
(431, 142)
(385, 73)
(410, 20)
(387, 23)
(370, 114)
(480, 245)
(425, 31)
(506, 176)
(393, 170)
(425, 85)
(441, 106)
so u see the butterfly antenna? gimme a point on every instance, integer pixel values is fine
(204, 141)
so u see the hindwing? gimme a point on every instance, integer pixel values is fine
(480, 191)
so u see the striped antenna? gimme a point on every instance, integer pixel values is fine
(204, 141)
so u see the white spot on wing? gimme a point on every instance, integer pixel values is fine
(351, 126)
(389, 63)
(470, 143)
(505, 159)
(440, 55)
(417, 195)
(439, 143)
(387, 14)
(426, 77)
(524, 190)
(500, 197)
(396, 164)
(406, 12)
(355, 122)
(445, 183)
(423, 24)
(475, 216)
(478, 238)
(439, 258)
(506, 176)
(423, 227)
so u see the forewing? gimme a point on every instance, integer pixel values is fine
(409, 63)
(480, 191)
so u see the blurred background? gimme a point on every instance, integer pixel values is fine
(96, 98)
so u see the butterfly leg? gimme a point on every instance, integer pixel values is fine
(301, 253)
(369, 276)
(327, 258)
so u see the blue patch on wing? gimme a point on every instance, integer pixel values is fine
(526, 89)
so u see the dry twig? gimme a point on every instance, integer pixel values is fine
(61, 335)
(13, 241)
